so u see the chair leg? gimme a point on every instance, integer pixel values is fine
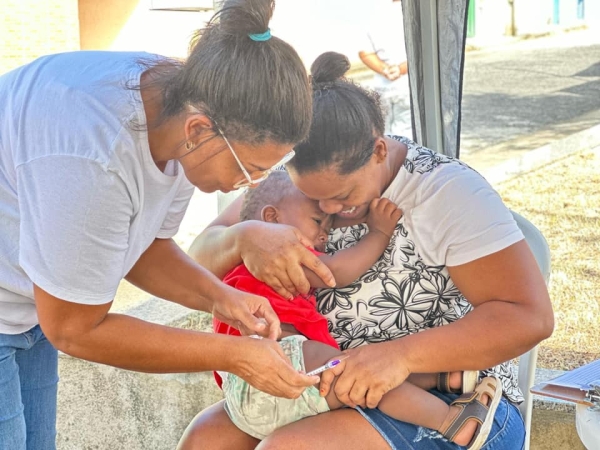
(527, 366)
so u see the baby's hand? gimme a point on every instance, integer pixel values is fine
(383, 216)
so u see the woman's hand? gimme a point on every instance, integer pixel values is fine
(275, 254)
(249, 313)
(262, 363)
(366, 375)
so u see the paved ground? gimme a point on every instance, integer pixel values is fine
(524, 94)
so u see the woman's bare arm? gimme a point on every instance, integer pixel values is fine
(90, 332)
(214, 248)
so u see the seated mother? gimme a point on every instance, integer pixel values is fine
(457, 289)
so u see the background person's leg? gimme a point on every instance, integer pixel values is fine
(12, 420)
(38, 367)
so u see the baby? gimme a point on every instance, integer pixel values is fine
(305, 337)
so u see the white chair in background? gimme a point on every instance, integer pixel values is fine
(528, 361)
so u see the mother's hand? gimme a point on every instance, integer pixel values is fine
(276, 254)
(369, 372)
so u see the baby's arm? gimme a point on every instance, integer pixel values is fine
(348, 264)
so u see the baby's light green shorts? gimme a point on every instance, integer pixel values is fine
(259, 414)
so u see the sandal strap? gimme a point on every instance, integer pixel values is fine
(471, 407)
(443, 383)
(469, 380)
(472, 411)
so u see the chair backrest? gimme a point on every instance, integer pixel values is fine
(537, 244)
(527, 362)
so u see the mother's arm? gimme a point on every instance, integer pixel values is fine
(512, 313)
(273, 253)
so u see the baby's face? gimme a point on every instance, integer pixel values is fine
(304, 214)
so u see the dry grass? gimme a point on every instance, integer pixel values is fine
(563, 200)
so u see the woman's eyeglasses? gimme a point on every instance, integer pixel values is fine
(248, 182)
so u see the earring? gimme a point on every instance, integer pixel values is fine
(189, 145)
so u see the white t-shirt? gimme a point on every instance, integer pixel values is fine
(385, 36)
(80, 196)
(451, 216)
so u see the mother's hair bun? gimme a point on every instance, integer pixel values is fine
(328, 68)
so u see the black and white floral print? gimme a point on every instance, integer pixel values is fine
(400, 294)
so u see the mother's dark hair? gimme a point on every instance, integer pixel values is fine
(255, 91)
(346, 120)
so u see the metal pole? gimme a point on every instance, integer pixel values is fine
(431, 76)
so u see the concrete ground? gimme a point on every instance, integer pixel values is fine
(525, 94)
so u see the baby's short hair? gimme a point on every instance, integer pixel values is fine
(269, 192)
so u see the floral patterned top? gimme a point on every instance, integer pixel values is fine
(460, 218)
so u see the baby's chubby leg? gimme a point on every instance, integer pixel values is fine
(407, 402)
(412, 403)
(315, 355)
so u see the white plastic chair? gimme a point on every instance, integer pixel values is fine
(528, 361)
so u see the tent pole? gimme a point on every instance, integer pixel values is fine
(431, 76)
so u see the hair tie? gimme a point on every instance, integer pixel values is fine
(261, 37)
(322, 85)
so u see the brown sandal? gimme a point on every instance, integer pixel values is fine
(469, 381)
(472, 407)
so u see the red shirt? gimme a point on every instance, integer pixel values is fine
(301, 312)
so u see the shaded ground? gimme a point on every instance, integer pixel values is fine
(523, 95)
(563, 201)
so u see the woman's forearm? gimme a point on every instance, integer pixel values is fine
(512, 313)
(216, 248)
(492, 333)
(89, 332)
(166, 271)
(372, 61)
(132, 344)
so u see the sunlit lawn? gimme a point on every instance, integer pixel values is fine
(563, 200)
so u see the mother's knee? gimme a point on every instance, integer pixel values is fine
(196, 434)
(212, 429)
(341, 429)
(278, 441)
